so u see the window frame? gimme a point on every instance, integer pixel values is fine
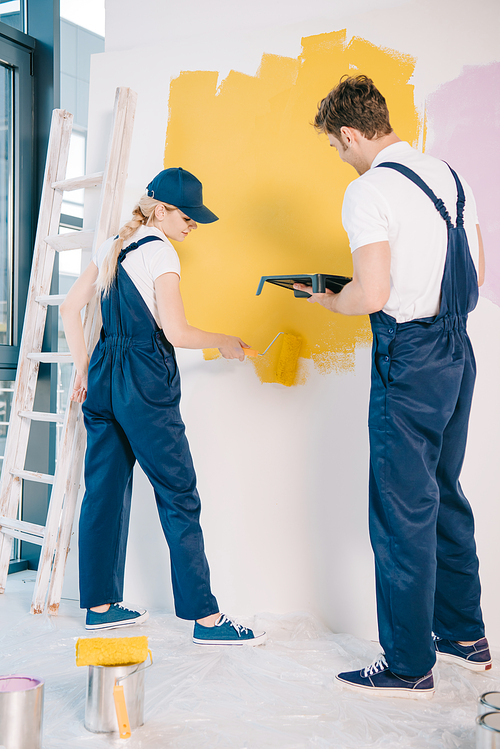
(16, 51)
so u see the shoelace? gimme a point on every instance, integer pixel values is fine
(379, 664)
(238, 627)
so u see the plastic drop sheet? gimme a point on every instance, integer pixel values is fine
(279, 695)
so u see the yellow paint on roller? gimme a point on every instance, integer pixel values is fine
(287, 363)
(277, 188)
(111, 651)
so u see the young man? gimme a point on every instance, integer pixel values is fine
(418, 261)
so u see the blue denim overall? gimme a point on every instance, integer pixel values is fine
(421, 524)
(132, 412)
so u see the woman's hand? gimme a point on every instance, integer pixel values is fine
(79, 388)
(233, 349)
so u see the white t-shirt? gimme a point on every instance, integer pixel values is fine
(384, 205)
(145, 264)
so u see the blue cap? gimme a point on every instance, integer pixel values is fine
(178, 187)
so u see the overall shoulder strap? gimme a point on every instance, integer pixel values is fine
(413, 176)
(460, 197)
(124, 252)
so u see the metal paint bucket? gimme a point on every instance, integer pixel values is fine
(21, 712)
(100, 708)
(488, 731)
(488, 703)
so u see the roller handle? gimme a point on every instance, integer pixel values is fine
(250, 351)
(121, 712)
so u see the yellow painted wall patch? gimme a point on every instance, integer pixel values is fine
(277, 188)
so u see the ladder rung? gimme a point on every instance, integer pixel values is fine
(24, 536)
(42, 416)
(23, 530)
(72, 240)
(39, 478)
(77, 183)
(51, 299)
(52, 357)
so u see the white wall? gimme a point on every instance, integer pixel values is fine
(283, 472)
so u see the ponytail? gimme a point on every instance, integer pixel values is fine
(142, 215)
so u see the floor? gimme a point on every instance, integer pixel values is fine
(280, 695)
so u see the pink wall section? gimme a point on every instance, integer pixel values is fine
(464, 118)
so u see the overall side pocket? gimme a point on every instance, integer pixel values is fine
(167, 352)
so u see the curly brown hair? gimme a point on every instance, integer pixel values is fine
(354, 102)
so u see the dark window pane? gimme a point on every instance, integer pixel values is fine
(6, 203)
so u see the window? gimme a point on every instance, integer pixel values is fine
(78, 43)
(16, 189)
(12, 12)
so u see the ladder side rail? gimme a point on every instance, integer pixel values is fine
(33, 329)
(54, 514)
(91, 327)
(70, 502)
(112, 191)
(41, 276)
(115, 172)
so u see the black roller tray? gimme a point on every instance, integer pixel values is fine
(318, 281)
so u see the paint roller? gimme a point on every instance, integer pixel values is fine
(111, 651)
(287, 360)
(114, 651)
(290, 350)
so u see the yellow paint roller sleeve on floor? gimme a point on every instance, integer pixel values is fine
(111, 651)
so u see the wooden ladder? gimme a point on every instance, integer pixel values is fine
(54, 537)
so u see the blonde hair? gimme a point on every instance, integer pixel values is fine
(142, 215)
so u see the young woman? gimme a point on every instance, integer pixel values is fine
(130, 394)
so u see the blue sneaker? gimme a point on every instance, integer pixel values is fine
(378, 679)
(226, 632)
(474, 657)
(116, 616)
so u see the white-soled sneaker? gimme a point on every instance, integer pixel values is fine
(117, 615)
(226, 632)
(475, 657)
(378, 679)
